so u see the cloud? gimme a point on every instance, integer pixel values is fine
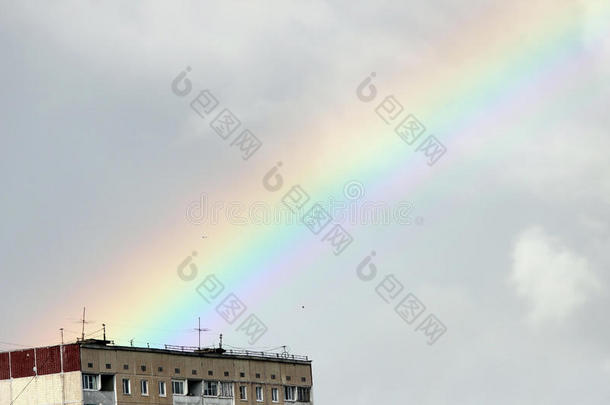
(554, 280)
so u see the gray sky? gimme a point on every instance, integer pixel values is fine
(99, 161)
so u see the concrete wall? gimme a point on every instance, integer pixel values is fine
(218, 401)
(98, 397)
(43, 390)
(178, 400)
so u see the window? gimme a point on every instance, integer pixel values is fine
(143, 368)
(288, 378)
(108, 366)
(125, 366)
(226, 389)
(274, 395)
(162, 388)
(194, 372)
(259, 394)
(289, 393)
(178, 387)
(126, 386)
(90, 365)
(303, 394)
(90, 382)
(177, 371)
(160, 369)
(243, 392)
(258, 375)
(210, 372)
(144, 387)
(226, 373)
(303, 379)
(210, 388)
(242, 375)
(273, 376)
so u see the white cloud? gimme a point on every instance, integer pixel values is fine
(554, 280)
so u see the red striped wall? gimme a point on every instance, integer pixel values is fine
(22, 363)
(71, 358)
(5, 372)
(47, 360)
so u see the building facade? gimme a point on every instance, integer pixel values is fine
(97, 373)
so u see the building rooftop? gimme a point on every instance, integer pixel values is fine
(213, 352)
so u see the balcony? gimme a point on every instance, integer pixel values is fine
(104, 394)
(197, 400)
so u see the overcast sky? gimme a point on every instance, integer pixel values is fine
(99, 158)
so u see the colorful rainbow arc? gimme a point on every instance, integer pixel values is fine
(491, 73)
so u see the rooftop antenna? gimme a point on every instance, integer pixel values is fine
(220, 344)
(199, 329)
(61, 330)
(83, 335)
(82, 321)
(104, 327)
(131, 342)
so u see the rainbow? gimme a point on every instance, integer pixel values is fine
(492, 70)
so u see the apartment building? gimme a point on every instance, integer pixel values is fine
(96, 372)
